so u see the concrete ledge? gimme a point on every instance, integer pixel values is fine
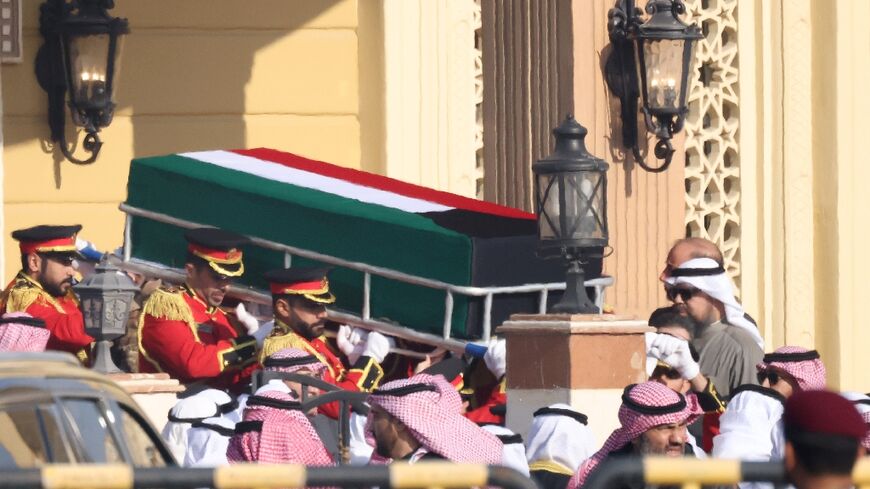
(147, 383)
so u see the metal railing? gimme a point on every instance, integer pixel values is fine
(450, 290)
(690, 473)
(266, 476)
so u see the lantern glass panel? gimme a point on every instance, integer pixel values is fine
(549, 212)
(572, 206)
(88, 58)
(660, 66)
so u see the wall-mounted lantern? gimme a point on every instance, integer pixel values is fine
(571, 203)
(80, 56)
(651, 60)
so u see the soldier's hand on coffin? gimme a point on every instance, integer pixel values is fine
(495, 357)
(377, 346)
(358, 339)
(246, 319)
(345, 339)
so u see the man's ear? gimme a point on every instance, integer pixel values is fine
(282, 308)
(34, 263)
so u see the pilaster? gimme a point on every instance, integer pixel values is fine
(430, 98)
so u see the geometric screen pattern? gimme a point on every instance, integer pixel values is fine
(712, 153)
(10, 30)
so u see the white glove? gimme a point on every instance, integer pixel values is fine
(250, 322)
(664, 345)
(263, 333)
(344, 339)
(377, 346)
(681, 360)
(495, 357)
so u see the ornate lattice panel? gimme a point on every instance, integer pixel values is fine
(712, 153)
(478, 98)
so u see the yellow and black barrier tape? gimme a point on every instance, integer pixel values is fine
(266, 476)
(692, 472)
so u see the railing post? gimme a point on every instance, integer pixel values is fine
(448, 315)
(542, 301)
(128, 234)
(487, 317)
(367, 296)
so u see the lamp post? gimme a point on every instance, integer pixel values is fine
(571, 203)
(105, 298)
(651, 60)
(80, 55)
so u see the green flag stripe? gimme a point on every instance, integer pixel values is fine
(377, 235)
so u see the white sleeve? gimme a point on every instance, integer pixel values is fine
(749, 427)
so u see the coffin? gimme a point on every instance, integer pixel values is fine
(352, 215)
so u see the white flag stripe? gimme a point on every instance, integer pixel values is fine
(315, 181)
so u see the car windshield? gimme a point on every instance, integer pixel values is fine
(91, 433)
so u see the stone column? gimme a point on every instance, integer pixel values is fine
(581, 360)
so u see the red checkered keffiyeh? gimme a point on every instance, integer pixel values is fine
(22, 332)
(435, 419)
(285, 436)
(802, 364)
(292, 360)
(644, 406)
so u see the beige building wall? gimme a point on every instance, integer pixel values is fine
(195, 75)
(645, 210)
(805, 218)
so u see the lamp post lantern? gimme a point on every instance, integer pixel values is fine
(105, 298)
(571, 204)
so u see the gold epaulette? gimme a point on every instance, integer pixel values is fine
(168, 303)
(277, 342)
(21, 295)
(165, 303)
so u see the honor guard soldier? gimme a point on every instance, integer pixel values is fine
(43, 287)
(299, 299)
(183, 331)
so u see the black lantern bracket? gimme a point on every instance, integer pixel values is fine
(625, 73)
(80, 75)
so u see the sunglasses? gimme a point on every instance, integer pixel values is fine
(685, 293)
(770, 375)
(62, 259)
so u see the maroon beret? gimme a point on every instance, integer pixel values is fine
(823, 412)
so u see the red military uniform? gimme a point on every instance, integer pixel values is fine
(63, 319)
(493, 410)
(364, 376)
(62, 316)
(181, 335)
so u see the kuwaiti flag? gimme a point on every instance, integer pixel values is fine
(342, 212)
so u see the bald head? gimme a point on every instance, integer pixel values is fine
(688, 248)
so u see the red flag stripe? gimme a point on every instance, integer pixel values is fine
(383, 183)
